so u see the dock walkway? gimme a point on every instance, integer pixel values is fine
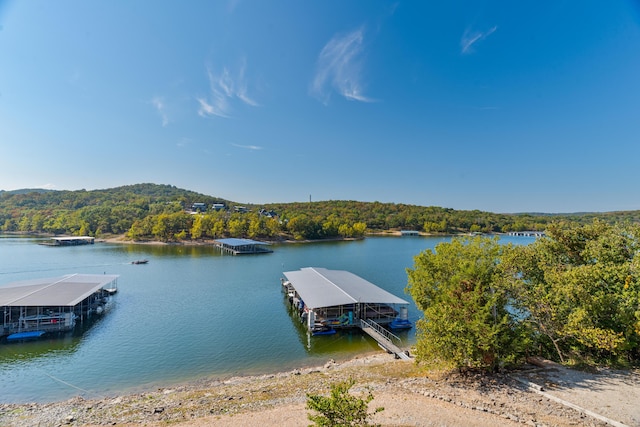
(384, 338)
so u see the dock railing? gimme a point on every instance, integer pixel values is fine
(391, 337)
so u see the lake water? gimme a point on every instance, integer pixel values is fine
(190, 313)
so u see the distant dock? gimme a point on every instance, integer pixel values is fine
(242, 246)
(70, 241)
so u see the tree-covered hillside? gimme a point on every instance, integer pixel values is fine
(97, 212)
(162, 212)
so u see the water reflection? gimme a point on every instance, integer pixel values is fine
(51, 345)
(347, 341)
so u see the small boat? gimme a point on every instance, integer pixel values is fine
(18, 336)
(398, 323)
(140, 261)
(323, 331)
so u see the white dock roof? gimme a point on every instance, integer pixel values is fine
(67, 290)
(233, 242)
(320, 287)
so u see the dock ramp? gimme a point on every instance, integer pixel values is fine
(384, 338)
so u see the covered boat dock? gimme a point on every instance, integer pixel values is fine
(334, 299)
(52, 304)
(70, 241)
(242, 246)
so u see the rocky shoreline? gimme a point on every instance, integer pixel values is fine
(410, 398)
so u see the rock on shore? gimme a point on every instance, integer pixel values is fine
(409, 396)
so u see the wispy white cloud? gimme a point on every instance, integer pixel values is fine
(224, 89)
(47, 186)
(241, 87)
(248, 147)
(217, 106)
(470, 38)
(339, 68)
(159, 105)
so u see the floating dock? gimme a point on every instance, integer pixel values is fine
(242, 246)
(34, 307)
(336, 299)
(70, 241)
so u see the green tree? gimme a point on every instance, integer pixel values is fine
(37, 221)
(85, 230)
(257, 226)
(302, 227)
(57, 223)
(578, 291)
(198, 227)
(161, 229)
(345, 230)
(9, 225)
(359, 228)
(341, 408)
(217, 227)
(140, 229)
(466, 322)
(237, 226)
(331, 225)
(25, 223)
(273, 227)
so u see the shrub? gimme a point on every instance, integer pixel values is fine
(341, 408)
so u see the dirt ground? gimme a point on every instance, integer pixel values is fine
(544, 395)
(551, 395)
(614, 395)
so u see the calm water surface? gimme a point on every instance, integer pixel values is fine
(190, 313)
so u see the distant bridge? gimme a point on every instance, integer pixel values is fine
(527, 233)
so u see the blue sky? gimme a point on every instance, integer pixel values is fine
(503, 106)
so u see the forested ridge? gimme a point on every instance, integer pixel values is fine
(161, 212)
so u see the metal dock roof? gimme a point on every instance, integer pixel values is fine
(67, 290)
(72, 238)
(239, 242)
(320, 287)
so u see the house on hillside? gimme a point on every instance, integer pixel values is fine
(268, 214)
(199, 207)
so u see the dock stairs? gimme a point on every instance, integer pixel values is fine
(384, 338)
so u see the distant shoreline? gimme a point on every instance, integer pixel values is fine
(391, 233)
(207, 242)
(121, 239)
